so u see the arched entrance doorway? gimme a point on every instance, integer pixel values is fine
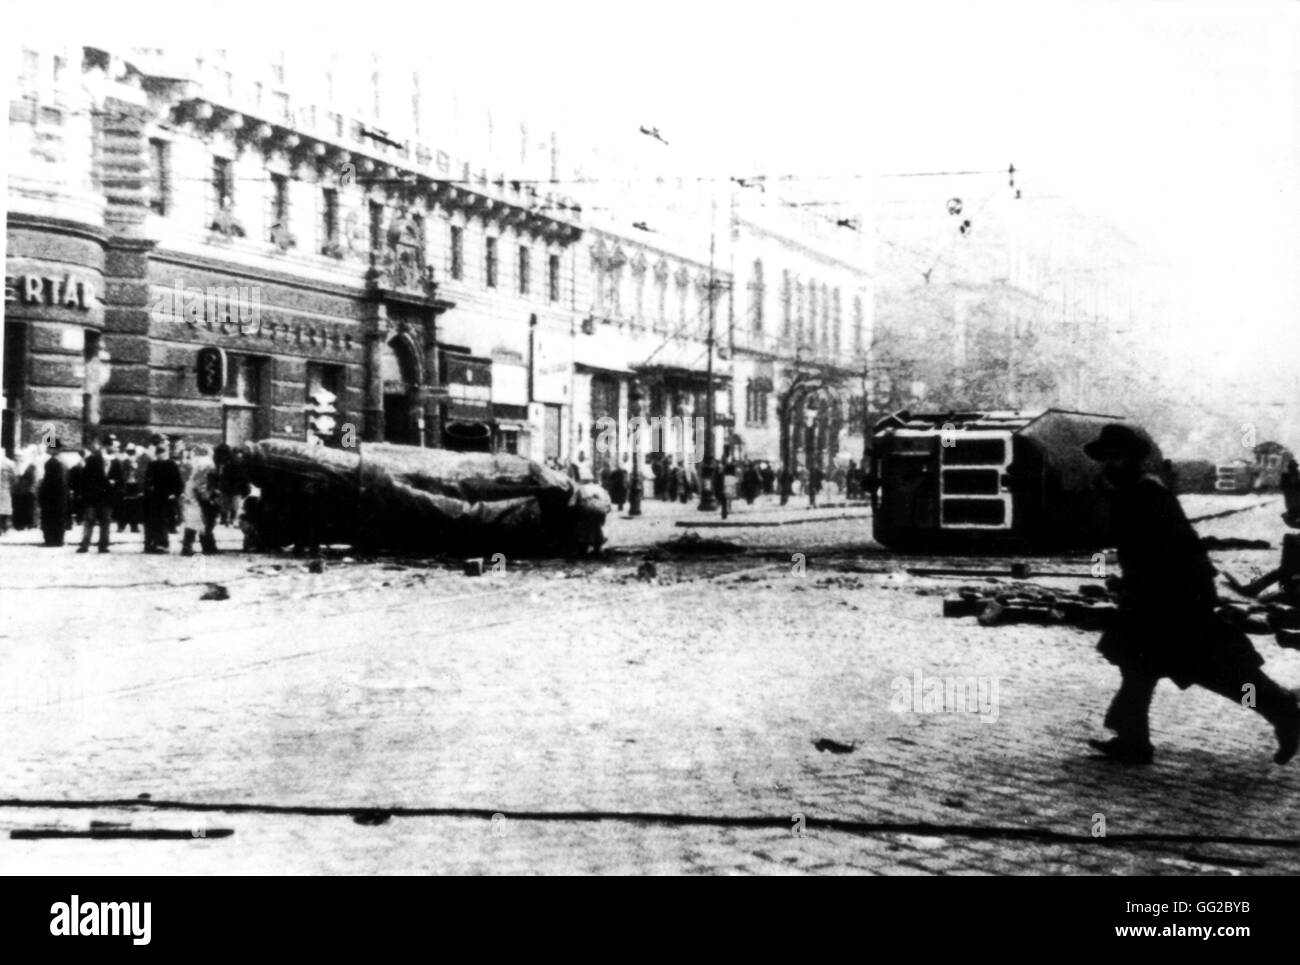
(400, 370)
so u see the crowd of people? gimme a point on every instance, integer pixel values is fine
(676, 479)
(164, 488)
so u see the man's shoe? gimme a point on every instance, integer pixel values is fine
(83, 549)
(1288, 739)
(1126, 752)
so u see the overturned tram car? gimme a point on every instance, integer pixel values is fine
(988, 480)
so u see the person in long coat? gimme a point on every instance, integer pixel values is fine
(616, 486)
(52, 494)
(1166, 625)
(28, 469)
(751, 484)
(162, 490)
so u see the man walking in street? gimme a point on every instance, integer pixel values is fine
(1166, 625)
(96, 495)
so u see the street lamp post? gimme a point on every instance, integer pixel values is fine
(634, 397)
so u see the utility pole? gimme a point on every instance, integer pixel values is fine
(708, 502)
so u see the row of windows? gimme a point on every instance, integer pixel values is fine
(492, 259)
(279, 217)
(608, 299)
(825, 320)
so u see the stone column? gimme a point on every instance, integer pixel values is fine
(375, 326)
(431, 400)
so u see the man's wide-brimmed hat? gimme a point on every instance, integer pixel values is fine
(1117, 441)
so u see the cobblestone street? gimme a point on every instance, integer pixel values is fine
(617, 724)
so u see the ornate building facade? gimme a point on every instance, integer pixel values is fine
(335, 226)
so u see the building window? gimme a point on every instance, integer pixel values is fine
(785, 304)
(553, 277)
(376, 227)
(31, 68)
(323, 382)
(490, 262)
(524, 267)
(812, 314)
(277, 228)
(798, 312)
(756, 395)
(160, 176)
(457, 252)
(329, 221)
(416, 110)
(244, 379)
(837, 323)
(638, 279)
(826, 319)
(223, 185)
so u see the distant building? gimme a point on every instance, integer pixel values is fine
(1000, 301)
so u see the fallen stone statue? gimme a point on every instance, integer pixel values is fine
(390, 497)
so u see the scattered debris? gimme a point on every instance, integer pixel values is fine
(1094, 606)
(316, 566)
(693, 543)
(148, 834)
(1018, 571)
(215, 591)
(835, 747)
(1234, 543)
(473, 567)
(647, 571)
(952, 802)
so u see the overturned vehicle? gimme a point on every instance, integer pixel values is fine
(991, 480)
(391, 497)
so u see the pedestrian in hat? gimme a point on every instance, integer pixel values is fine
(52, 495)
(1166, 625)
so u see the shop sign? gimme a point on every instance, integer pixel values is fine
(69, 291)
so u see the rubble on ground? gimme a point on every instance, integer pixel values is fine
(1092, 607)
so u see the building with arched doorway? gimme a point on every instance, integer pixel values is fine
(434, 287)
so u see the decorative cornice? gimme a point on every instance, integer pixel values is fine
(77, 229)
(342, 164)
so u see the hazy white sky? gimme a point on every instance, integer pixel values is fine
(1178, 121)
